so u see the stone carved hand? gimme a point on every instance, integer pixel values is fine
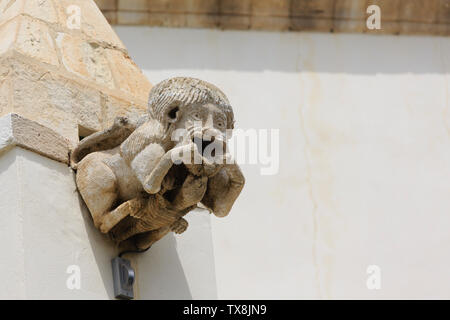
(153, 182)
(224, 188)
(191, 192)
(179, 226)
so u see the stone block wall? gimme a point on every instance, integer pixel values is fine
(398, 16)
(73, 76)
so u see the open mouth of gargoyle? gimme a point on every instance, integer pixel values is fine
(203, 143)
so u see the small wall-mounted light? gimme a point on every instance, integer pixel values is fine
(123, 276)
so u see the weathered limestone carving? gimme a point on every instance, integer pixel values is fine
(127, 175)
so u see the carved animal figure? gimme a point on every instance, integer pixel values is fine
(127, 176)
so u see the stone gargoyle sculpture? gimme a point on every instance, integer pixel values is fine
(138, 178)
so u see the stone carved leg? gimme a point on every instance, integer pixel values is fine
(98, 187)
(161, 216)
(155, 215)
(133, 207)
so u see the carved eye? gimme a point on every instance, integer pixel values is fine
(173, 113)
(221, 124)
(196, 116)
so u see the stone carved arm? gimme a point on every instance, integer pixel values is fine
(143, 150)
(153, 181)
(223, 189)
(106, 139)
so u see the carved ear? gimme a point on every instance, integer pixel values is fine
(172, 115)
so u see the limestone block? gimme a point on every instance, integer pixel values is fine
(128, 77)
(202, 20)
(235, 7)
(270, 23)
(106, 4)
(299, 24)
(390, 10)
(55, 75)
(202, 6)
(53, 100)
(271, 7)
(444, 12)
(85, 59)
(350, 9)
(59, 101)
(167, 20)
(76, 99)
(182, 6)
(18, 131)
(29, 37)
(33, 96)
(418, 11)
(166, 6)
(42, 10)
(8, 32)
(111, 16)
(132, 17)
(113, 107)
(5, 94)
(9, 10)
(312, 8)
(387, 27)
(423, 28)
(400, 16)
(136, 5)
(93, 23)
(234, 22)
(72, 54)
(34, 40)
(349, 25)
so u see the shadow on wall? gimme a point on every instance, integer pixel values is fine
(161, 48)
(159, 271)
(103, 249)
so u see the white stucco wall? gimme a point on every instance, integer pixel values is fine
(364, 159)
(45, 228)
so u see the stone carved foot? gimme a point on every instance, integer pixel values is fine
(191, 192)
(133, 207)
(179, 226)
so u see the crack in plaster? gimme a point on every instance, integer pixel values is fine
(313, 200)
(447, 106)
(310, 187)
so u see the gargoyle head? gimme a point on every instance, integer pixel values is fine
(199, 108)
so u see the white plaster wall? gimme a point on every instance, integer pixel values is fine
(364, 158)
(45, 228)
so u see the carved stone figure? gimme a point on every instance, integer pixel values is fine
(127, 175)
